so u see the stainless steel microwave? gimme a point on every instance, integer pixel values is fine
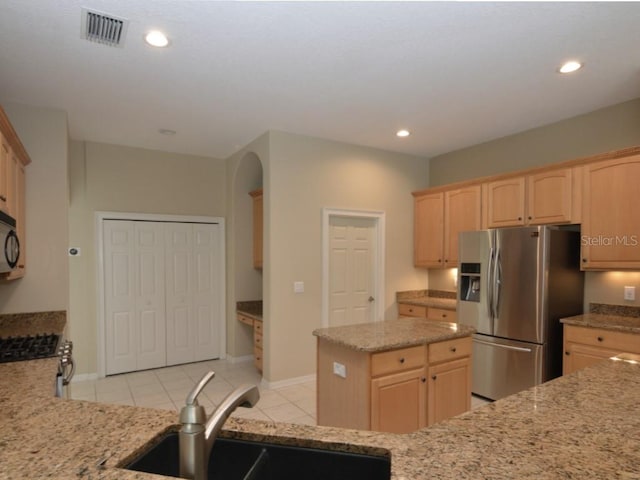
(10, 243)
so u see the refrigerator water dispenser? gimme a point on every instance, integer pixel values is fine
(470, 282)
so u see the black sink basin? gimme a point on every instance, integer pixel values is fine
(233, 459)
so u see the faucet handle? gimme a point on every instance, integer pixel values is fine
(192, 398)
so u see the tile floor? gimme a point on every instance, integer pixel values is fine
(167, 388)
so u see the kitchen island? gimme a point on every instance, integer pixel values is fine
(583, 425)
(394, 376)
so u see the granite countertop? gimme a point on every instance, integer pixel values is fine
(604, 321)
(428, 298)
(571, 427)
(391, 334)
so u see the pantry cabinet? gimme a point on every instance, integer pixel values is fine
(611, 223)
(585, 346)
(438, 219)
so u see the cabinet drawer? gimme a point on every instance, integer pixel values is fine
(397, 360)
(412, 310)
(442, 315)
(257, 327)
(608, 339)
(257, 340)
(244, 319)
(449, 349)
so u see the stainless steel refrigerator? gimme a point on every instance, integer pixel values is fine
(514, 284)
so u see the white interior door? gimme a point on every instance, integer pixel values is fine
(149, 295)
(351, 270)
(120, 299)
(193, 292)
(206, 291)
(178, 291)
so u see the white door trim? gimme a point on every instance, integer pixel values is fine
(379, 233)
(100, 217)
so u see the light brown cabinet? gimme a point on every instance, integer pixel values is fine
(585, 346)
(256, 326)
(430, 313)
(438, 219)
(540, 198)
(13, 160)
(611, 223)
(258, 227)
(390, 391)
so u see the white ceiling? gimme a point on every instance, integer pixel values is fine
(453, 73)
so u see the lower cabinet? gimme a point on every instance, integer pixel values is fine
(586, 346)
(430, 313)
(397, 391)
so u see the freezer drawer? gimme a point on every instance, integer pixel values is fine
(503, 367)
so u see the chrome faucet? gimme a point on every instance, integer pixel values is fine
(198, 434)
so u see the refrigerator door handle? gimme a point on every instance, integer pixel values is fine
(497, 280)
(508, 347)
(489, 289)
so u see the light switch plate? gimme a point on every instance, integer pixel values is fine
(298, 287)
(629, 293)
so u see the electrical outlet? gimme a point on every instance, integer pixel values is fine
(339, 369)
(629, 293)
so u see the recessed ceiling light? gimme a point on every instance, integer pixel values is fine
(156, 38)
(570, 66)
(403, 133)
(166, 131)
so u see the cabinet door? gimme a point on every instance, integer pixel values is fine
(412, 310)
(442, 315)
(449, 389)
(258, 226)
(505, 202)
(462, 213)
(549, 197)
(428, 230)
(5, 153)
(578, 356)
(611, 224)
(398, 402)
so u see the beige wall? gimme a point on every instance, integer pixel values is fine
(601, 131)
(604, 130)
(116, 178)
(44, 287)
(303, 175)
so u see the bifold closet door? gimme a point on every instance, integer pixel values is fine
(193, 292)
(134, 295)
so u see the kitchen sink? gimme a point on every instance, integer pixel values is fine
(233, 459)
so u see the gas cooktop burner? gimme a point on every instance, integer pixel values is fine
(13, 349)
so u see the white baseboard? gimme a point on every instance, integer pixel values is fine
(82, 377)
(242, 359)
(287, 382)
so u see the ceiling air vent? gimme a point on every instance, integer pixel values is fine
(103, 28)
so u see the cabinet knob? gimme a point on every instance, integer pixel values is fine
(529, 217)
(453, 349)
(584, 260)
(439, 260)
(401, 359)
(444, 315)
(423, 379)
(519, 218)
(446, 260)
(600, 339)
(433, 377)
(567, 353)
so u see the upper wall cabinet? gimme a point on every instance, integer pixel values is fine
(611, 223)
(258, 225)
(541, 198)
(438, 219)
(13, 160)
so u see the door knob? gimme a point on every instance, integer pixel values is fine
(370, 299)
